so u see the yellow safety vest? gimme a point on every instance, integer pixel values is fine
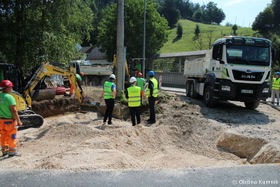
(134, 96)
(275, 84)
(108, 93)
(155, 88)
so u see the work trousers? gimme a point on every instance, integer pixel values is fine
(110, 103)
(135, 111)
(275, 93)
(152, 101)
(8, 133)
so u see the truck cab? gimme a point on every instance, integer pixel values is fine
(94, 73)
(236, 68)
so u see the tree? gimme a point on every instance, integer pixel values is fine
(34, 31)
(264, 21)
(198, 15)
(179, 31)
(213, 14)
(276, 11)
(156, 30)
(96, 6)
(234, 28)
(196, 32)
(170, 11)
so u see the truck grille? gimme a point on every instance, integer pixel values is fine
(248, 75)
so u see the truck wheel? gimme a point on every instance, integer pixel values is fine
(103, 80)
(95, 81)
(187, 89)
(252, 105)
(208, 97)
(193, 94)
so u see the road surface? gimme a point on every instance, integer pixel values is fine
(247, 175)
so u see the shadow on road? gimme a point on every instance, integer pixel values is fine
(230, 113)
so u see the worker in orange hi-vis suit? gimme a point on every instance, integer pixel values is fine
(79, 80)
(9, 120)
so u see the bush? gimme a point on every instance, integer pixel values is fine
(179, 31)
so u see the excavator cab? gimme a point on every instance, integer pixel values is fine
(14, 74)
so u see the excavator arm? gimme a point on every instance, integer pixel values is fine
(46, 69)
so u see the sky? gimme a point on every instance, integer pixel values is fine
(240, 12)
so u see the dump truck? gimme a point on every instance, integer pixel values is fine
(237, 68)
(94, 73)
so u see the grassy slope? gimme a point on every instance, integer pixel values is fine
(186, 43)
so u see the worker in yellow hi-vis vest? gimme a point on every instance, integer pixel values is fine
(134, 101)
(152, 94)
(275, 88)
(109, 94)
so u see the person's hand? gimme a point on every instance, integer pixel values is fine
(20, 123)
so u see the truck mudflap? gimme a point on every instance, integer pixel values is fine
(242, 92)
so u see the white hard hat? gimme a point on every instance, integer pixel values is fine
(112, 76)
(132, 80)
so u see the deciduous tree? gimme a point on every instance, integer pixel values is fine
(156, 30)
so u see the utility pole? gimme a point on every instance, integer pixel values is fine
(144, 42)
(120, 69)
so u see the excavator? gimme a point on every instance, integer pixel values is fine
(23, 92)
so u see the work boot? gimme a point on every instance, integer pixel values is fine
(4, 153)
(14, 154)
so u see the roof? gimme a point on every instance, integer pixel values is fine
(181, 54)
(93, 53)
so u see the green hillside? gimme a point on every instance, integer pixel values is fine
(209, 33)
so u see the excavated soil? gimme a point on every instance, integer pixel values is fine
(185, 135)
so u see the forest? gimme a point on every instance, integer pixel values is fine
(34, 31)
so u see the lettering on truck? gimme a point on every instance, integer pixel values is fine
(58, 71)
(248, 76)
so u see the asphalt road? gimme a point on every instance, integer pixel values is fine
(246, 175)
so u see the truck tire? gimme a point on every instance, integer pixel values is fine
(252, 105)
(209, 97)
(193, 94)
(95, 80)
(187, 88)
(103, 80)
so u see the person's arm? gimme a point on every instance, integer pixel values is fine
(126, 94)
(15, 114)
(114, 89)
(114, 93)
(151, 87)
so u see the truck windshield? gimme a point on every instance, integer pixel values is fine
(248, 55)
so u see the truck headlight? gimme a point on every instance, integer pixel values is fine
(265, 90)
(225, 88)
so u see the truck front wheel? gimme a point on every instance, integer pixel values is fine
(252, 105)
(208, 97)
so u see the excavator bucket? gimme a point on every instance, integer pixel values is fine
(88, 105)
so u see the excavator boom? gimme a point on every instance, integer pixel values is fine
(46, 69)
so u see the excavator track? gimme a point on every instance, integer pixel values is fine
(31, 120)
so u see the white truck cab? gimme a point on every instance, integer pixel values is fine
(236, 68)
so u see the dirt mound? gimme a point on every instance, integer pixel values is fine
(185, 135)
(180, 138)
